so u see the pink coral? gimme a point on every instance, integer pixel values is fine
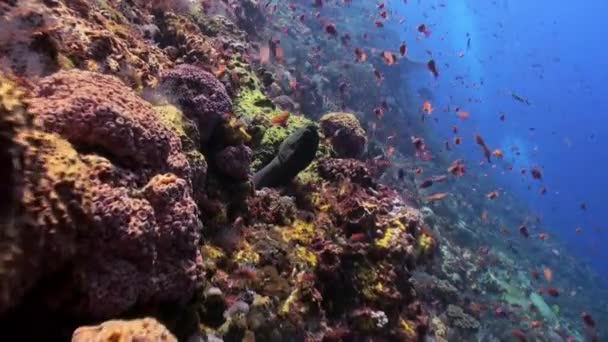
(112, 237)
(340, 169)
(98, 113)
(200, 95)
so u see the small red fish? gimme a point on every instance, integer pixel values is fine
(360, 54)
(543, 236)
(548, 274)
(519, 335)
(280, 119)
(588, 320)
(553, 292)
(457, 168)
(436, 197)
(358, 237)
(388, 57)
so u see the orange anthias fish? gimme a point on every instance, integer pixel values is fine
(457, 168)
(498, 154)
(361, 55)
(220, 71)
(280, 119)
(548, 274)
(388, 57)
(279, 54)
(462, 115)
(427, 107)
(436, 197)
(264, 54)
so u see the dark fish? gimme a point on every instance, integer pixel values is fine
(432, 66)
(403, 49)
(331, 29)
(523, 230)
(426, 184)
(486, 151)
(536, 173)
(520, 99)
(401, 174)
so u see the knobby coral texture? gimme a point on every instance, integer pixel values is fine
(127, 162)
(103, 214)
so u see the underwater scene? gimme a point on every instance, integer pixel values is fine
(303, 170)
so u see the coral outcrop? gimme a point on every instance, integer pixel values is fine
(347, 137)
(146, 329)
(112, 229)
(200, 95)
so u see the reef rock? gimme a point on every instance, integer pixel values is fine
(345, 133)
(147, 329)
(200, 95)
(105, 204)
(233, 161)
(100, 114)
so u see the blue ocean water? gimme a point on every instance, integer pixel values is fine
(551, 53)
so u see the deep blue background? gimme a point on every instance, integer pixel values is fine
(552, 52)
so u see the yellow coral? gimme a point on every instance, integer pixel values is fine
(212, 253)
(425, 243)
(408, 328)
(300, 231)
(247, 255)
(10, 96)
(286, 306)
(391, 235)
(305, 257)
(368, 282)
